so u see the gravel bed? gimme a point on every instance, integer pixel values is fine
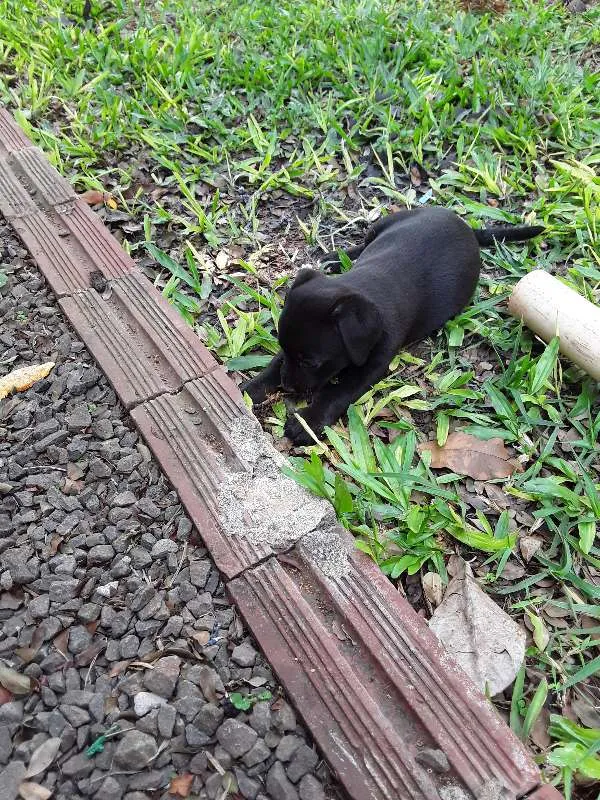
(111, 605)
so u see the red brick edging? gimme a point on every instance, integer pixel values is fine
(371, 682)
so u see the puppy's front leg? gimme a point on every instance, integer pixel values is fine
(333, 400)
(267, 381)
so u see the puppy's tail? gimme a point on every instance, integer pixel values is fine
(489, 236)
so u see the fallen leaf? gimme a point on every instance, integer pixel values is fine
(512, 571)
(181, 785)
(33, 791)
(529, 545)
(417, 175)
(539, 732)
(43, 756)
(27, 654)
(541, 637)
(433, 588)
(118, 668)
(72, 487)
(586, 711)
(202, 637)
(23, 378)
(61, 643)
(482, 638)
(55, 543)
(14, 681)
(93, 197)
(222, 259)
(5, 696)
(478, 458)
(89, 654)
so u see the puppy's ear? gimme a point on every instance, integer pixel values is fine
(303, 275)
(359, 324)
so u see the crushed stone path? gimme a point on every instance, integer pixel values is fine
(108, 596)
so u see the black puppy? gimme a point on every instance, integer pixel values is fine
(416, 270)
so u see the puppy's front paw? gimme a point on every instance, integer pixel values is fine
(255, 389)
(297, 434)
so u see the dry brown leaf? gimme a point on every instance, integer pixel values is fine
(118, 668)
(23, 378)
(27, 654)
(33, 791)
(90, 653)
(539, 732)
(5, 696)
(61, 643)
(93, 197)
(529, 545)
(478, 458)
(55, 543)
(484, 640)
(181, 785)
(14, 681)
(43, 756)
(432, 588)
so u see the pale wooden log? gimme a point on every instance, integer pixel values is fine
(551, 309)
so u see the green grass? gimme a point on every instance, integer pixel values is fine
(233, 107)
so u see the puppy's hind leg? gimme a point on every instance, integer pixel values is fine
(266, 382)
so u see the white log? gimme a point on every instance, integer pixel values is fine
(551, 309)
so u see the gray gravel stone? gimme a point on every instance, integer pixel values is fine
(279, 786)
(258, 753)
(10, 779)
(311, 789)
(209, 718)
(165, 721)
(163, 547)
(162, 680)
(78, 766)
(135, 750)
(11, 712)
(143, 702)
(236, 737)
(287, 747)
(123, 499)
(61, 591)
(110, 789)
(244, 655)
(303, 761)
(100, 554)
(260, 718)
(79, 419)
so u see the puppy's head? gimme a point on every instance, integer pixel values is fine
(323, 329)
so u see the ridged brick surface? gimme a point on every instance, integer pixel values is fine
(39, 177)
(193, 455)
(426, 681)
(11, 136)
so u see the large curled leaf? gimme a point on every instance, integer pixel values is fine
(23, 378)
(43, 756)
(466, 454)
(483, 639)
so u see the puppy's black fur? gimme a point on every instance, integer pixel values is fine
(416, 270)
